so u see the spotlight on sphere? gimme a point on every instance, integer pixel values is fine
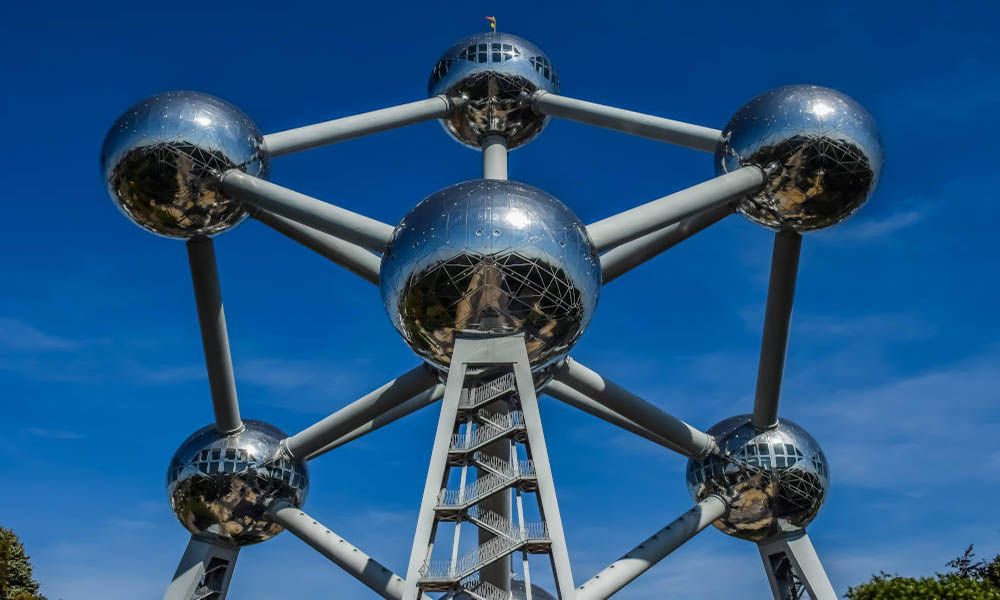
(820, 148)
(163, 157)
(776, 479)
(222, 485)
(493, 75)
(488, 258)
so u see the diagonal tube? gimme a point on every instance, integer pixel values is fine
(355, 259)
(637, 222)
(626, 257)
(214, 337)
(627, 121)
(338, 130)
(315, 437)
(206, 567)
(627, 568)
(339, 222)
(777, 320)
(563, 393)
(359, 565)
(425, 398)
(689, 441)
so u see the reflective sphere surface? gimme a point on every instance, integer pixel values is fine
(223, 485)
(777, 479)
(821, 150)
(490, 258)
(163, 157)
(495, 74)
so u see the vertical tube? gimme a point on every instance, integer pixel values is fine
(495, 167)
(777, 320)
(214, 338)
(495, 157)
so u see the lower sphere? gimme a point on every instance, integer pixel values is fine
(775, 480)
(223, 485)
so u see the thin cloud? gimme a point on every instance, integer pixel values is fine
(54, 434)
(18, 336)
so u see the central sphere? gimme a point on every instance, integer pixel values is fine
(776, 479)
(492, 76)
(223, 485)
(490, 258)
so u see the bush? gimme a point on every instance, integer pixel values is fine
(969, 580)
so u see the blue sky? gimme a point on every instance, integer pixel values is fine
(895, 346)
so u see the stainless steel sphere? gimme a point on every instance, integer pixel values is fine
(222, 485)
(820, 148)
(493, 75)
(776, 479)
(163, 157)
(490, 258)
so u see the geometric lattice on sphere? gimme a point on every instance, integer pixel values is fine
(163, 157)
(494, 74)
(820, 148)
(776, 479)
(494, 258)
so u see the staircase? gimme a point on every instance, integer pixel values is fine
(488, 392)
(437, 572)
(501, 475)
(493, 427)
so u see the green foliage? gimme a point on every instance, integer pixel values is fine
(16, 579)
(970, 580)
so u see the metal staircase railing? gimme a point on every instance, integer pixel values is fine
(486, 554)
(489, 391)
(495, 427)
(484, 590)
(491, 521)
(487, 485)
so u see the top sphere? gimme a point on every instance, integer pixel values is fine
(820, 148)
(776, 480)
(490, 258)
(223, 485)
(493, 75)
(163, 157)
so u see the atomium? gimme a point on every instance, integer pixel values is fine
(223, 485)
(492, 76)
(775, 480)
(489, 258)
(163, 157)
(820, 149)
(492, 283)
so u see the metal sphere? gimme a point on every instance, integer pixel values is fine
(820, 149)
(490, 258)
(163, 157)
(776, 480)
(493, 75)
(222, 485)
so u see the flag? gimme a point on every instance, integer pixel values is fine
(493, 22)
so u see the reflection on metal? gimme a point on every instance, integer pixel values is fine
(490, 257)
(493, 75)
(163, 157)
(221, 486)
(820, 148)
(776, 480)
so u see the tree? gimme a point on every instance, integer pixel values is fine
(16, 579)
(969, 580)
